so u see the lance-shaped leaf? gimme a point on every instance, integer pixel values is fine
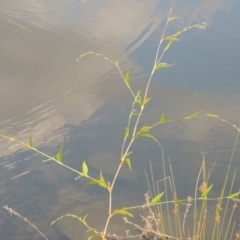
(128, 162)
(92, 182)
(168, 46)
(162, 65)
(133, 113)
(163, 118)
(206, 192)
(148, 135)
(59, 153)
(128, 154)
(30, 140)
(84, 168)
(193, 115)
(137, 98)
(234, 195)
(145, 128)
(157, 198)
(127, 130)
(4, 136)
(122, 211)
(92, 236)
(145, 101)
(127, 78)
(83, 219)
(171, 38)
(102, 180)
(177, 201)
(97, 182)
(172, 18)
(212, 115)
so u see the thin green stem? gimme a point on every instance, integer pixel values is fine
(225, 182)
(225, 212)
(157, 58)
(45, 155)
(109, 60)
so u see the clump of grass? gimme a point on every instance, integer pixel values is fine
(167, 215)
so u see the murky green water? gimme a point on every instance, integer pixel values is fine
(86, 105)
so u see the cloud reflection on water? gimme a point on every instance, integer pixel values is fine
(41, 54)
(44, 89)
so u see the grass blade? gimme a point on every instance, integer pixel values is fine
(59, 153)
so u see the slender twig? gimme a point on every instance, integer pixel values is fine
(12, 211)
(109, 60)
(195, 201)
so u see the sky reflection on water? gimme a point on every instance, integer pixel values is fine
(46, 92)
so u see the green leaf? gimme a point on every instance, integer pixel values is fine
(92, 236)
(127, 77)
(137, 98)
(193, 115)
(122, 211)
(128, 162)
(128, 154)
(212, 115)
(234, 195)
(168, 46)
(127, 131)
(206, 192)
(162, 65)
(92, 182)
(172, 18)
(30, 140)
(133, 113)
(146, 101)
(80, 175)
(171, 38)
(102, 180)
(147, 135)
(99, 183)
(84, 168)
(157, 198)
(163, 118)
(145, 128)
(84, 218)
(59, 153)
(177, 201)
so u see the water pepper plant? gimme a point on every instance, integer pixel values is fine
(156, 224)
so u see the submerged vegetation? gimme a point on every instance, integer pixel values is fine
(166, 216)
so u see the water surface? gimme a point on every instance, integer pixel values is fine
(86, 105)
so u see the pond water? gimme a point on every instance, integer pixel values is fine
(45, 91)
